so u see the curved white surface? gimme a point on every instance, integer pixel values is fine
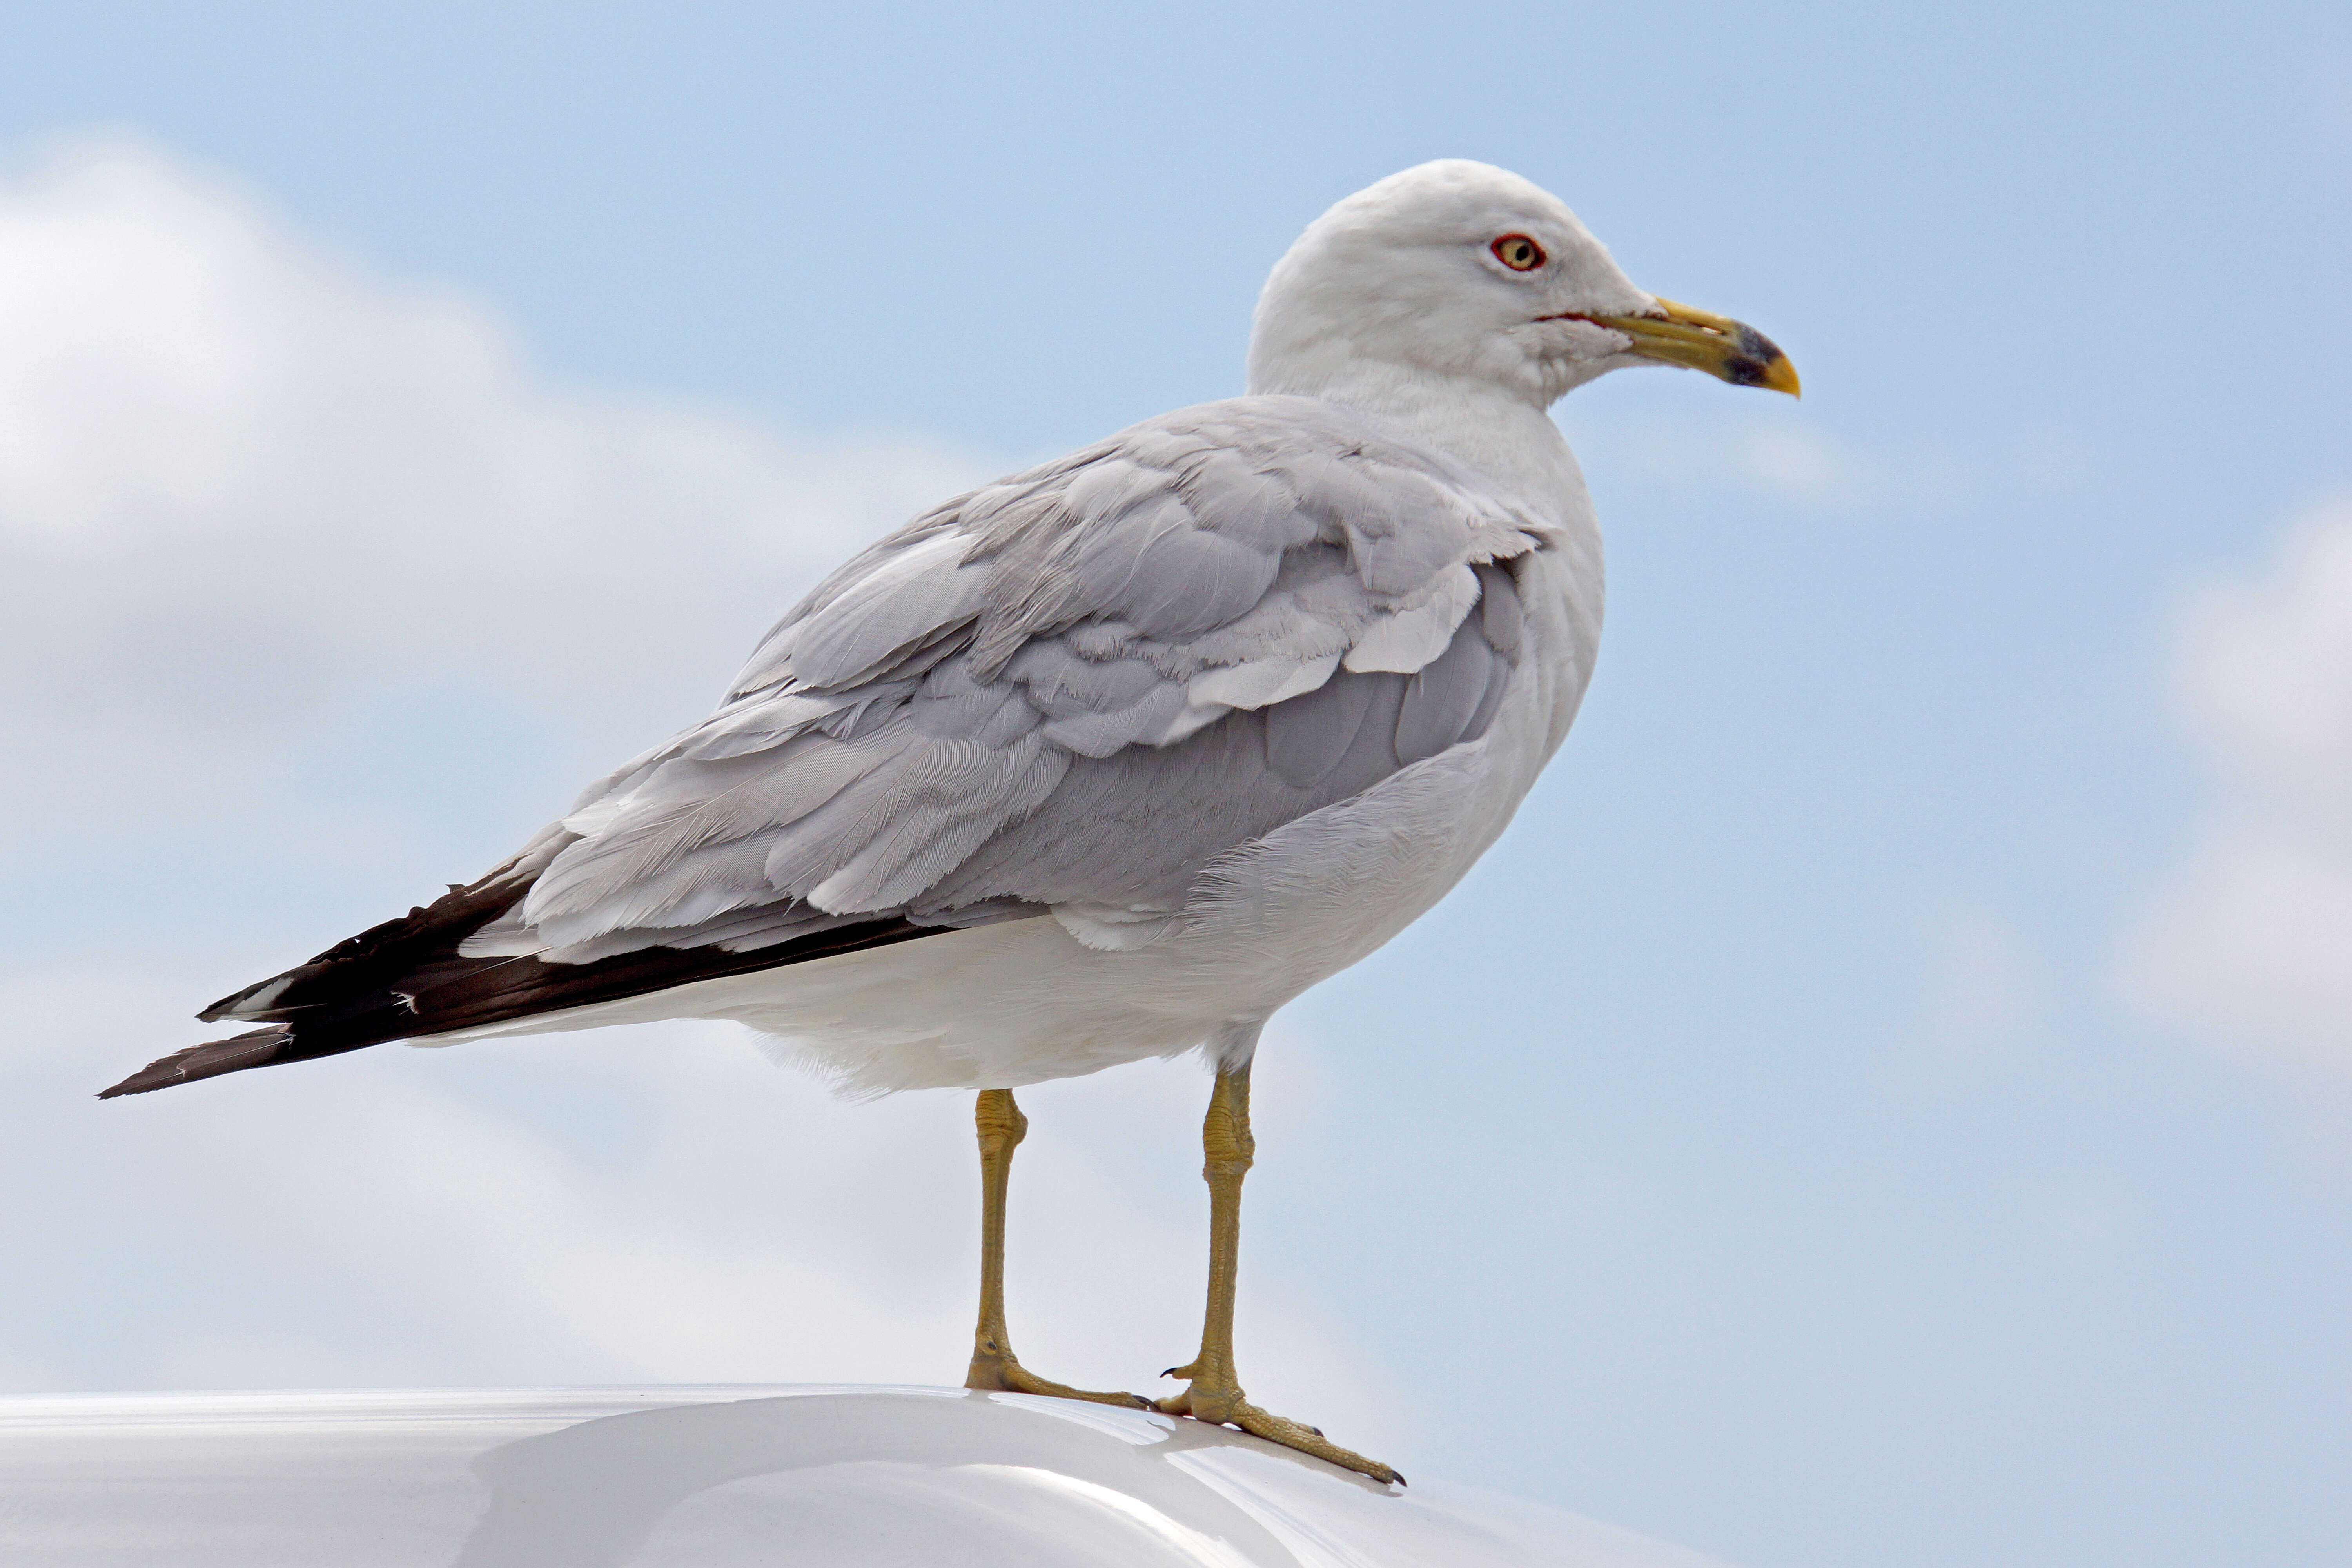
(581, 1478)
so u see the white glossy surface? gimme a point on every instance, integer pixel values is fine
(583, 1478)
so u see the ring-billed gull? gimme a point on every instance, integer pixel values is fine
(1111, 758)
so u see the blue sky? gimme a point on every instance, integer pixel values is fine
(1885, 1099)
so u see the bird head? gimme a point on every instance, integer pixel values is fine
(1459, 272)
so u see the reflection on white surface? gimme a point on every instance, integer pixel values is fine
(862, 1477)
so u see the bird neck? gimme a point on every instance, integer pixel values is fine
(1491, 428)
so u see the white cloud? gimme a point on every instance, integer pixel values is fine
(1784, 457)
(245, 491)
(239, 478)
(2254, 943)
(2269, 670)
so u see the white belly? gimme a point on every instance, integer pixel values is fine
(997, 1006)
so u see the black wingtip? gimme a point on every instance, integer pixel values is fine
(257, 1049)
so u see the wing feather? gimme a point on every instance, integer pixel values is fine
(1061, 652)
(1070, 690)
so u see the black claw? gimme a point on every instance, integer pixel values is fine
(1317, 1430)
(1170, 1372)
(1400, 1477)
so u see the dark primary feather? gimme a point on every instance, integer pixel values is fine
(404, 979)
(257, 1049)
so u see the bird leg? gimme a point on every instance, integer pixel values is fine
(1215, 1393)
(993, 1365)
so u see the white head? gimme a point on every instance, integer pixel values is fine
(1461, 274)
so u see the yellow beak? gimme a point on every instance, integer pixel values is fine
(1702, 339)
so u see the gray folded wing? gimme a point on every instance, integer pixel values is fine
(1073, 687)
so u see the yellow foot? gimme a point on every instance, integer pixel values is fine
(1001, 1372)
(1225, 1406)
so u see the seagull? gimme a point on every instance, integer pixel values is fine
(1111, 758)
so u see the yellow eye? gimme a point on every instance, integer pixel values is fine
(1517, 252)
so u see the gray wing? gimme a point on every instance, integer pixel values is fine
(1072, 689)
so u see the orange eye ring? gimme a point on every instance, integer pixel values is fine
(1518, 253)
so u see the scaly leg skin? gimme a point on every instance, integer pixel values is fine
(1216, 1393)
(993, 1365)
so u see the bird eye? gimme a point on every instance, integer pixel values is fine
(1517, 252)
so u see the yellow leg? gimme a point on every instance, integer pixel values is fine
(993, 1365)
(1215, 1393)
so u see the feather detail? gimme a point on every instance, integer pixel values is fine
(1075, 690)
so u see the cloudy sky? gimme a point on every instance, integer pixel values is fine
(1887, 1100)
